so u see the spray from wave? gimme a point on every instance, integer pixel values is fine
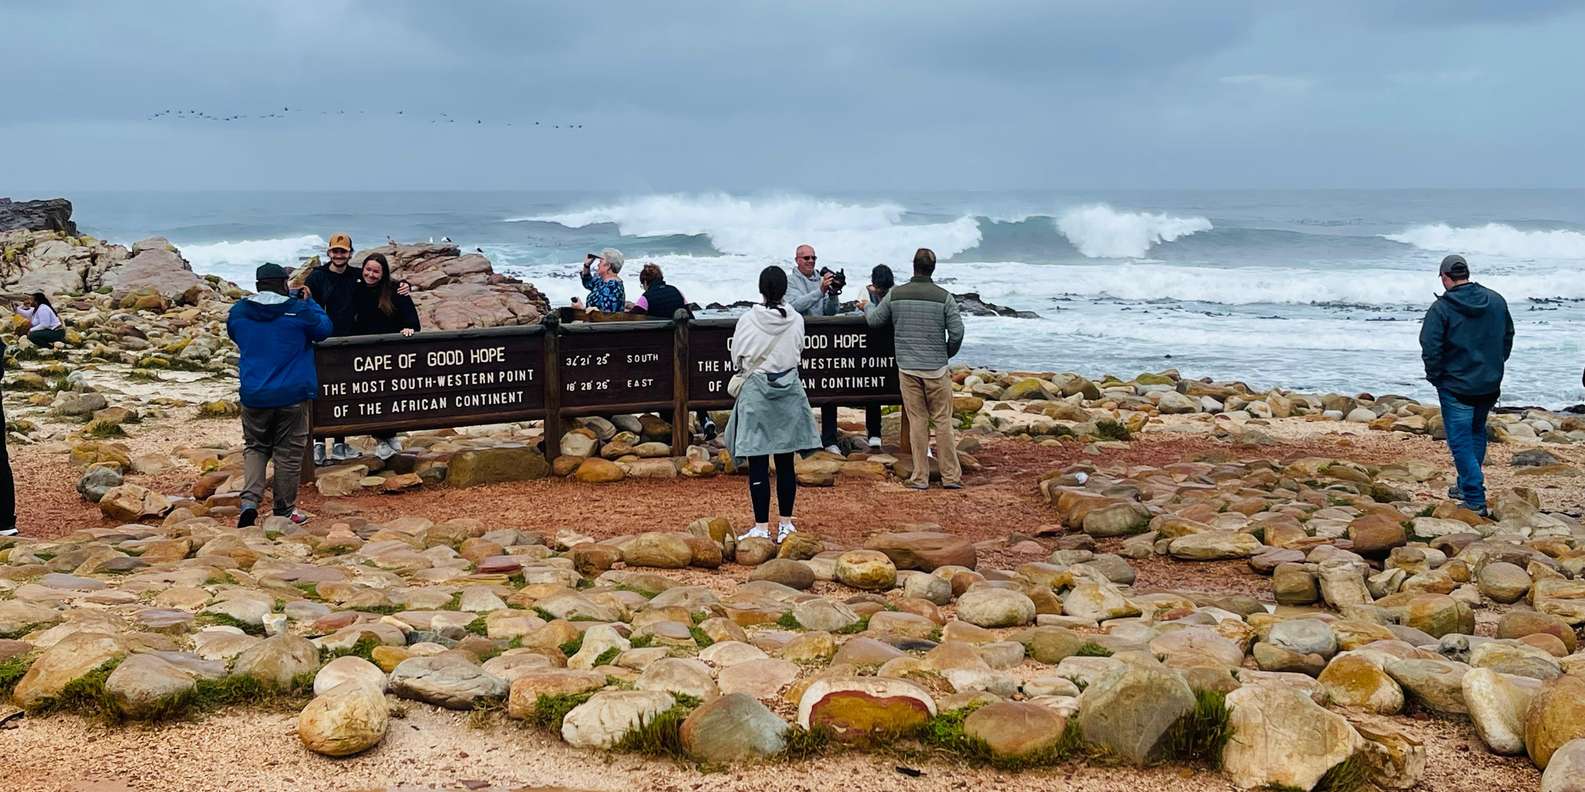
(1099, 231)
(772, 227)
(1495, 239)
(235, 261)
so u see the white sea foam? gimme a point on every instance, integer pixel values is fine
(1495, 239)
(772, 227)
(1099, 231)
(235, 261)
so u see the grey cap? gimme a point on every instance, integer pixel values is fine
(271, 272)
(1455, 267)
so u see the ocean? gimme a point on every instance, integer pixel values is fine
(1310, 290)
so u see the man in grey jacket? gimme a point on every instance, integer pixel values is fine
(810, 293)
(925, 322)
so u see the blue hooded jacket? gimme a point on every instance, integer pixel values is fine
(1465, 340)
(276, 336)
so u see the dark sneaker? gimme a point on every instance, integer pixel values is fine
(248, 517)
(953, 485)
(916, 485)
(708, 430)
(1453, 493)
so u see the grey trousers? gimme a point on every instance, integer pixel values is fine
(281, 434)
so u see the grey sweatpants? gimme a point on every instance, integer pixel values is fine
(281, 434)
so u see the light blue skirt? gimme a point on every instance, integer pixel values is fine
(771, 417)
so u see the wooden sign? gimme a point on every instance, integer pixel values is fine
(429, 380)
(844, 361)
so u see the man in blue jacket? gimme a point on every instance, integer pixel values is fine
(275, 334)
(1464, 341)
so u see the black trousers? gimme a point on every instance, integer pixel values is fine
(759, 485)
(828, 422)
(8, 493)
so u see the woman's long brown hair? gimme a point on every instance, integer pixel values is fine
(387, 289)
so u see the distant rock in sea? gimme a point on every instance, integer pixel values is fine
(53, 214)
(453, 290)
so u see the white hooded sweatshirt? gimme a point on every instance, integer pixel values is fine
(762, 329)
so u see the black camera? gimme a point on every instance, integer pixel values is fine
(839, 278)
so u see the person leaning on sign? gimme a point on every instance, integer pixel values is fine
(378, 309)
(771, 415)
(925, 322)
(662, 300)
(601, 276)
(275, 335)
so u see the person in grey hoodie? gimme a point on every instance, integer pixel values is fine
(1465, 339)
(928, 330)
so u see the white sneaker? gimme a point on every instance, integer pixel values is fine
(11, 531)
(384, 450)
(319, 454)
(783, 531)
(395, 443)
(875, 443)
(930, 452)
(761, 531)
(833, 448)
(342, 452)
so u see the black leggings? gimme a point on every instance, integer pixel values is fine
(828, 422)
(759, 485)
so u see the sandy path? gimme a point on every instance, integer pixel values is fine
(433, 748)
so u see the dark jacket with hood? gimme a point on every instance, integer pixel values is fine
(1465, 339)
(334, 294)
(368, 319)
(662, 300)
(275, 335)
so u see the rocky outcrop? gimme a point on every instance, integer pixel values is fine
(453, 290)
(51, 214)
(150, 275)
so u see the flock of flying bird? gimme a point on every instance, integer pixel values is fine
(433, 118)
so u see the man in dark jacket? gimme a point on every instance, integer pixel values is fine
(928, 330)
(275, 334)
(333, 285)
(1464, 341)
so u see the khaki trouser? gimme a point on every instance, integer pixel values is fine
(928, 401)
(281, 433)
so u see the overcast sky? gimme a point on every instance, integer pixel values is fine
(813, 95)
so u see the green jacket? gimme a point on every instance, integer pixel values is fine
(925, 321)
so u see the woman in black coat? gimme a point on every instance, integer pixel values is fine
(376, 306)
(378, 309)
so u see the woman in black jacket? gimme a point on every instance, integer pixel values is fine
(376, 306)
(377, 309)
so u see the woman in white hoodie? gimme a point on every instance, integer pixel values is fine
(771, 417)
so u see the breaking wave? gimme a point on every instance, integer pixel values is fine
(1495, 239)
(1099, 231)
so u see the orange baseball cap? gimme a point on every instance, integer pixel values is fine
(340, 241)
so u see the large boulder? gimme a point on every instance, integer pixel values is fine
(1015, 730)
(1566, 771)
(869, 570)
(857, 708)
(733, 728)
(1129, 711)
(278, 660)
(158, 268)
(1497, 706)
(453, 290)
(658, 550)
(607, 717)
(68, 660)
(143, 684)
(493, 465)
(1556, 716)
(993, 607)
(349, 718)
(924, 550)
(446, 680)
(1351, 680)
(1279, 736)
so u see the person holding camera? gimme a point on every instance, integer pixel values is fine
(601, 276)
(275, 332)
(816, 293)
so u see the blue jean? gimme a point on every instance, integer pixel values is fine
(1465, 424)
